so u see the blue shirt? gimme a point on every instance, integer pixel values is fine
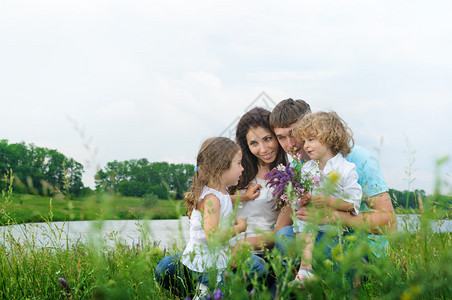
(369, 173)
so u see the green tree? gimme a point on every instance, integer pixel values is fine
(40, 170)
(138, 177)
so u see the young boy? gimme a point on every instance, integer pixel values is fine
(326, 140)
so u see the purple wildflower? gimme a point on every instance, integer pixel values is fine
(64, 284)
(252, 292)
(217, 295)
(281, 177)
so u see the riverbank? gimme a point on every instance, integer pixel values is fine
(165, 233)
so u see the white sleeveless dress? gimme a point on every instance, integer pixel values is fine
(198, 255)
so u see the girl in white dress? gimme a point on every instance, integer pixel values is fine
(261, 152)
(209, 207)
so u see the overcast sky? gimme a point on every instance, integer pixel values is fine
(118, 80)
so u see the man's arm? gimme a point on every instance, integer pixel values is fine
(381, 218)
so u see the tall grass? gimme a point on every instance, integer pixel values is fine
(417, 265)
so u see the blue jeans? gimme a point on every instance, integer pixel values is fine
(177, 278)
(286, 236)
(174, 276)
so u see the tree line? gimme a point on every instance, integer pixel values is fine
(39, 170)
(138, 177)
(46, 171)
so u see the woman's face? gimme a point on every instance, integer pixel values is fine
(262, 144)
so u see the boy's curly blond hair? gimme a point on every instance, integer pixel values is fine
(328, 128)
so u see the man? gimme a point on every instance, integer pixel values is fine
(377, 213)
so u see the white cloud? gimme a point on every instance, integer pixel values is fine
(153, 79)
(117, 110)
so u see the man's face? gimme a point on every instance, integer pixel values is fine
(290, 144)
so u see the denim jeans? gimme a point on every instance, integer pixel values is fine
(174, 276)
(324, 242)
(286, 236)
(177, 278)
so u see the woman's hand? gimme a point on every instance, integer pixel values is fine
(240, 225)
(252, 192)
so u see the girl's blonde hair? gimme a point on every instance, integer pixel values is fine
(214, 158)
(328, 128)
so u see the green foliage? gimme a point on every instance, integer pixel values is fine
(415, 265)
(406, 199)
(138, 177)
(40, 170)
(150, 200)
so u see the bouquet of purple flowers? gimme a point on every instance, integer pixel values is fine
(291, 182)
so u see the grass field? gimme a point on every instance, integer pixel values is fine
(413, 266)
(26, 208)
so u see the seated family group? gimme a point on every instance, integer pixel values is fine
(328, 181)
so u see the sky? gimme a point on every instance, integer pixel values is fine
(119, 80)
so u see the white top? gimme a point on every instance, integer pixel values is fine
(348, 188)
(260, 213)
(197, 256)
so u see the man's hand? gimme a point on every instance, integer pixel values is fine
(308, 215)
(319, 201)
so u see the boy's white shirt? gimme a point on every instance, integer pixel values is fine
(349, 188)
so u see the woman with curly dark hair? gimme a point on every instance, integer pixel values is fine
(260, 153)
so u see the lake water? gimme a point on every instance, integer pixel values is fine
(165, 232)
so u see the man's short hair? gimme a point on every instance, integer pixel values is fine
(287, 112)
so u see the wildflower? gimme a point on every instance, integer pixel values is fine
(217, 295)
(252, 292)
(281, 168)
(333, 176)
(289, 183)
(412, 293)
(64, 284)
(336, 253)
(297, 156)
(328, 263)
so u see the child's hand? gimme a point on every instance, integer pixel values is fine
(252, 192)
(305, 199)
(240, 225)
